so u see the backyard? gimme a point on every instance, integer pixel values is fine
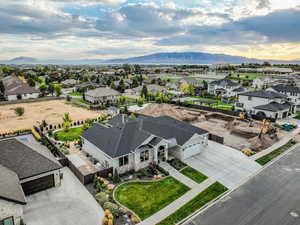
(147, 198)
(72, 134)
(245, 76)
(51, 111)
(195, 204)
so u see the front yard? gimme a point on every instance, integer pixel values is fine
(193, 174)
(72, 135)
(147, 198)
(195, 204)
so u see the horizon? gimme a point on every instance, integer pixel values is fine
(120, 29)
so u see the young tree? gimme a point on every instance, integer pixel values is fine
(144, 92)
(19, 111)
(43, 89)
(2, 88)
(51, 89)
(58, 90)
(67, 122)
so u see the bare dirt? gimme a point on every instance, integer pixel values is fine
(51, 111)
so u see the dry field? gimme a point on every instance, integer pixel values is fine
(51, 111)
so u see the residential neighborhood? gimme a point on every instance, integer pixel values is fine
(149, 112)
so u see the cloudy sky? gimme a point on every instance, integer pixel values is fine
(83, 29)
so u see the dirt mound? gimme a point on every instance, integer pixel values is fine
(168, 110)
(261, 143)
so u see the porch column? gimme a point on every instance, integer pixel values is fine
(155, 155)
(166, 152)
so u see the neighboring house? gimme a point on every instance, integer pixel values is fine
(15, 89)
(223, 87)
(132, 144)
(292, 93)
(102, 95)
(86, 86)
(265, 104)
(69, 83)
(113, 111)
(152, 88)
(23, 171)
(271, 70)
(191, 81)
(265, 82)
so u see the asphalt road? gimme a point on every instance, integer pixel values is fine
(270, 198)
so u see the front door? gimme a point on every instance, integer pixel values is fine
(161, 154)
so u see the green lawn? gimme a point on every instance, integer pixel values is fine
(297, 116)
(194, 174)
(147, 198)
(269, 157)
(245, 76)
(72, 135)
(75, 94)
(82, 101)
(196, 203)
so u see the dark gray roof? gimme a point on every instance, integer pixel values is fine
(119, 120)
(116, 141)
(240, 89)
(124, 138)
(14, 86)
(155, 141)
(274, 106)
(264, 94)
(23, 160)
(10, 188)
(224, 83)
(286, 88)
(102, 92)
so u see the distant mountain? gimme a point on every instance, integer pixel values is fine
(23, 59)
(158, 58)
(185, 58)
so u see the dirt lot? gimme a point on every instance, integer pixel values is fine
(51, 111)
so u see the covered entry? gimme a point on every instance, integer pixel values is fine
(39, 184)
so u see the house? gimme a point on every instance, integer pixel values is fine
(86, 86)
(69, 83)
(191, 81)
(23, 171)
(265, 82)
(132, 144)
(223, 87)
(15, 89)
(102, 95)
(152, 88)
(292, 93)
(265, 104)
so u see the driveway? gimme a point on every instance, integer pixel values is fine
(270, 198)
(224, 164)
(69, 204)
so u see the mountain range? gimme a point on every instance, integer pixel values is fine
(158, 58)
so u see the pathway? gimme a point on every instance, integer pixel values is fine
(178, 176)
(168, 210)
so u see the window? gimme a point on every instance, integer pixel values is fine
(144, 156)
(123, 161)
(7, 221)
(249, 98)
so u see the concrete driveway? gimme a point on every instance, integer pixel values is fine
(69, 204)
(224, 164)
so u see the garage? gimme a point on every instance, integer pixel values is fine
(191, 151)
(39, 184)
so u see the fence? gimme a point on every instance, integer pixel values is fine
(216, 138)
(30, 100)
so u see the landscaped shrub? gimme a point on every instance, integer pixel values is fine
(163, 171)
(116, 177)
(177, 164)
(101, 198)
(114, 208)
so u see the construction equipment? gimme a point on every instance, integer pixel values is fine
(267, 128)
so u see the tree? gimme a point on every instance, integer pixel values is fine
(121, 87)
(2, 88)
(31, 82)
(127, 68)
(135, 83)
(67, 122)
(122, 99)
(51, 89)
(205, 84)
(144, 92)
(137, 68)
(19, 111)
(43, 89)
(58, 90)
(188, 89)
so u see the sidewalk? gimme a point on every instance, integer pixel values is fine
(277, 145)
(178, 176)
(168, 210)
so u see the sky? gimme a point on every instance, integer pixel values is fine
(105, 29)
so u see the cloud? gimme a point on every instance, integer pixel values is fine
(112, 3)
(263, 4)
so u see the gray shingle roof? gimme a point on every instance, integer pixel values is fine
(123, 139)
(14, 86)
(286, 88)
(102, 92)
(273, 107)
(23, 160)
(264, 94)
(224, 83)
(10, 188)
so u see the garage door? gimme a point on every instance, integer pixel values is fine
(37, 185)
(191, 151)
